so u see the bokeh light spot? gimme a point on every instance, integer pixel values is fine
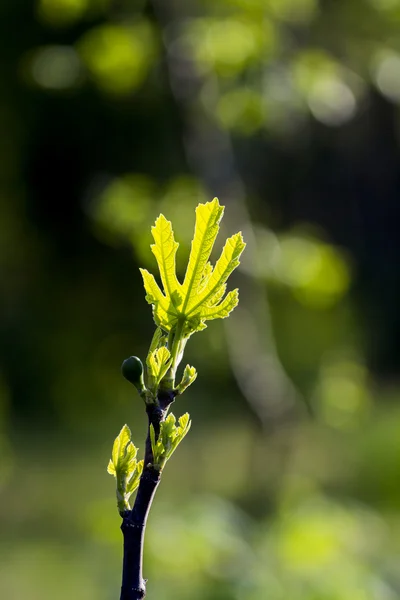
(316, 272)
(329, 89)
(241, 110)
(123, 208)
(315, 535)
(228, 46)
(118, 57)
(61, 12)
(386, 71)
(331, 101)
(342, 395)
(295, 11)
(56, 67)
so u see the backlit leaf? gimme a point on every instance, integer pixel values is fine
(199, 298)
(208, 217)
(111, 468)
(124, 467)
(169, 438)
(120, 443)
(159, 362)
(189, 375)
(227, 262)
(223, 309)
(164, 250)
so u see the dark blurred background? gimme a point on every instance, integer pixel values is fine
(288, 486)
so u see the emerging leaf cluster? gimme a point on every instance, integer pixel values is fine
(179, 310)
(158, 361)
(189, 375)
(169, 438)
(125, 468)
(201, 296)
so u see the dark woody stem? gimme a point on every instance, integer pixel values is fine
(134, 521)
(133, 529)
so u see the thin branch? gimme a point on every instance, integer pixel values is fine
(134, 521)
(133, 528)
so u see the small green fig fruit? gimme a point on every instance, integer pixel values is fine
(132, 370)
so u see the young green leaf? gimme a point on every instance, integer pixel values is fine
(227, 262)
(156, 341)
(189, 375)
(164, 250)
(134, 480)
(223, 309)
(124, 467)
(110, 468)
(119, 446)
(169, 438)
(208, 217)
(205, 275)
(163, 316)
(158, 363)
(188, 305)
(182, 309)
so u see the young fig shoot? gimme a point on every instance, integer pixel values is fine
(125, 468)
(180, 309)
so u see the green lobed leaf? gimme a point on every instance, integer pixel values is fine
(167, 431)
(184, 421)
(208, 217)
(169, 438)
(223, 309)
(158, 363)
(161, 307)
(164, 250)
(134, 479)
(120, 443)
(215, 298)
(156, 341)
(226, 263)
(179, 434)
(128, 461)
(124, 467)
(182, 309)
(205, 275)
(154, 294)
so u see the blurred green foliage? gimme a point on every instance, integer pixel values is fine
(95, 144)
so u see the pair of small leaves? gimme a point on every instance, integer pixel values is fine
(169, 438)
(201, 295)
(125, 468)
(159, 361)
